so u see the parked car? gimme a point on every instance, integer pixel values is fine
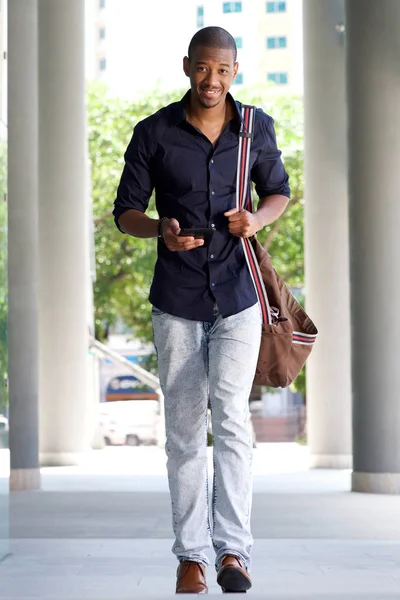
(3, 432)
(112, 432)
(130, 422)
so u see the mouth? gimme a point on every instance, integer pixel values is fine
(210, 93)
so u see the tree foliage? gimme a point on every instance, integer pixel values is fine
(284, 238)
(125, 265)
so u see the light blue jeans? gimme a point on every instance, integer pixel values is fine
(216, 361)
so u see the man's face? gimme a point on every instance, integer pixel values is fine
(211, 72)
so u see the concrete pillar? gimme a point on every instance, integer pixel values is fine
(326, 234)
(3, 26)
(63, 231)
(373, 34)
(23, 244)
(4, 457)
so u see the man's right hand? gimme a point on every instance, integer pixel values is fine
(170, 232)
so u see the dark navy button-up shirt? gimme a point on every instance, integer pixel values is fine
(195, 182)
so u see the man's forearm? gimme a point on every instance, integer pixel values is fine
(270, 209)
(138, 224)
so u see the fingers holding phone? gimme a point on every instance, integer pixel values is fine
(175, 241)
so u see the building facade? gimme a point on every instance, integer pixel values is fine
(134, 59)
(268, 36)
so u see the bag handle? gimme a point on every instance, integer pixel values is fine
(244, 200)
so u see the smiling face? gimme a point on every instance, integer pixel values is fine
(211, 72)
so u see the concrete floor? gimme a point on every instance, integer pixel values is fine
(103, 530)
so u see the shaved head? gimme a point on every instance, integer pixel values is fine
(212, 37)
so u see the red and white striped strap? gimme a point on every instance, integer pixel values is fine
(244, 200)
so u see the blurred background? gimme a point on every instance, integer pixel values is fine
(129, 76)
(79, 391)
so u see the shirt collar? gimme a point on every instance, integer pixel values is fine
(180, 109)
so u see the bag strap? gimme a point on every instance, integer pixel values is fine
(244, 200)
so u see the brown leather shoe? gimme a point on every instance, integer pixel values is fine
(232, 575)
(191, 578)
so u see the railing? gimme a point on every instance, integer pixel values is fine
(101, 350)
(144, 376)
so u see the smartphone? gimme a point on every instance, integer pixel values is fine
(204, 233)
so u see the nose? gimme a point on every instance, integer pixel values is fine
(212, 79)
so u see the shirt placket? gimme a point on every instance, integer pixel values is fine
(212, 194)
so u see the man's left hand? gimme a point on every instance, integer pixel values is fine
(242, 223)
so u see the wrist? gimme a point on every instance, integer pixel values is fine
(259, 223)
(161, 227)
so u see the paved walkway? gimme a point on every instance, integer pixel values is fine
(103, 531)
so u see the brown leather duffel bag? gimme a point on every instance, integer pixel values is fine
(288, 339)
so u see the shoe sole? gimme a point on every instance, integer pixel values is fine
(233, 581)
(189, 592)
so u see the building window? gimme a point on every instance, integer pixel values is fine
(200, 16)
(278, 78)
(231, 7)
(239, 42)
(102, 4)
(275, 7)
(102, 33)
(276, 42)
(103, 64)
(238, 79)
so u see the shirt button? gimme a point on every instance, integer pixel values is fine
(212, 193)
(213, 285)
(212, 225)
(212, 256)
(212, 161)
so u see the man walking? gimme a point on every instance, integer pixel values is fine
(206, 320)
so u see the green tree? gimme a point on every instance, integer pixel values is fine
(125, 265)
(284, 238)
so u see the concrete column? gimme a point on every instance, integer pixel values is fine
(3, 26)
(4, 459)
(23, 244)
(63, 227)
(373, 33)
(326, 234)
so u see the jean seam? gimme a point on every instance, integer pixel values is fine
(207, 487)
(214, 495)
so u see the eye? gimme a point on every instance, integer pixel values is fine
(223, 71)
(201, 69)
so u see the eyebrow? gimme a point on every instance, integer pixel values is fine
(202, 62)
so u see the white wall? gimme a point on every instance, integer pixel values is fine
(297, 46)
(3, 71)
(90, 37)
(145, 43)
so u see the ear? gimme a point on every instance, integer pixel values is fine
(235, 69)
(186, 66)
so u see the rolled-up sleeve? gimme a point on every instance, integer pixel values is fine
(268, 172)
(136, 184)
